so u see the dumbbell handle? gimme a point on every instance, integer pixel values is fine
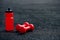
(26, 24)
(27, 28)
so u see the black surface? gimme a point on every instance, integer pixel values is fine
(45, 17)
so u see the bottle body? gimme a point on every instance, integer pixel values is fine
(9, 21)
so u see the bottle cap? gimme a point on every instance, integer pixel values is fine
(9, 10)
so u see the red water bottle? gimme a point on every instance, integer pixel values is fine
(9, 20)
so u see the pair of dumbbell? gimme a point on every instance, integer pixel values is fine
(25, 27)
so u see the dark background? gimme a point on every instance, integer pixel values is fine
(44, 14)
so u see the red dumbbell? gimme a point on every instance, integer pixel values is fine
(22, 29)
(25, 24)
(19, 25)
